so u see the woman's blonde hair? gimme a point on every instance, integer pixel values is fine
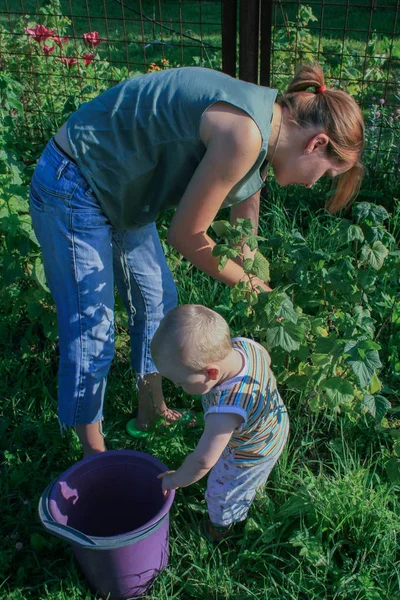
(338, 114)
(192, 335)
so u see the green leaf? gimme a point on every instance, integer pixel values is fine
(222, 262)
(15, 103)
(338, 391)
(349, 232)
(382, 406)
(239, 292)
(355, 233)
(363, 361)
(219, 249)
(286, 311)
(248, 265)
(287, 336)
(366, 278)
(232, 253)
(364, 211)
(221, 228)
(260, 267)
(252, 241)
(39, 275)
(393, 470)
(374, 255)
(321, 360)
(297, 382)
(375, 385)
(328, 345)
(369, 403)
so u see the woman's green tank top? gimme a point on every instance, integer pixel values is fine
(138, 144)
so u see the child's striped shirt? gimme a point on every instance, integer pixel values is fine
(253, 394)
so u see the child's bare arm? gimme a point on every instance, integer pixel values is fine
(217, 433)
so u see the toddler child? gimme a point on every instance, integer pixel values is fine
(246, 422)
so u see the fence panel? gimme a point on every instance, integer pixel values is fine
(64, 52)
(358, 44)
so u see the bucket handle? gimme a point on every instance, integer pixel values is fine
(62, 531)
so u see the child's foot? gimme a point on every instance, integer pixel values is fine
(216, 533)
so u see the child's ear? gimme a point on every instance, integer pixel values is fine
(213, 372)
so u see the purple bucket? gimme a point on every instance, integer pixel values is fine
(111, 509)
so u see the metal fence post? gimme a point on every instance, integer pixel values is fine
(265, 42)
(229, 20)
(249, 29)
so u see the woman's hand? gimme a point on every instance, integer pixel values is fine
(167, 482)
(257, 283)
(247, 253)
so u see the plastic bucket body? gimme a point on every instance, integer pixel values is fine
(111, 509)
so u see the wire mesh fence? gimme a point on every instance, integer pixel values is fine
(358, 45)
(64, 52)
(57, 53)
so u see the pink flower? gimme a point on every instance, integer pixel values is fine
(60, 40)
(382, 101)
(92, 39)
(87, 58)
(377, 114)
(68, 61)
(48, 49)
(40, 33)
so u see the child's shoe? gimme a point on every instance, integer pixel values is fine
(216, 533)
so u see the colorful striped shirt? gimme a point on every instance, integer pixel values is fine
(253, 394)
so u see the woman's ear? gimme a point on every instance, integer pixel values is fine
(318, 142)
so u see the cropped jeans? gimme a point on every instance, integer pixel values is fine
(84, 256)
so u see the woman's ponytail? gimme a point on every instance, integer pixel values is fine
(307, 76)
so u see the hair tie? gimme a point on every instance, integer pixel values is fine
(318, 90)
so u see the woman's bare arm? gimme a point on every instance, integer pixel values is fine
(233, 145)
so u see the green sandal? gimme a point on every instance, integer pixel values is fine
(134, 432)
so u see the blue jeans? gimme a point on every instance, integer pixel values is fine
(83, 257)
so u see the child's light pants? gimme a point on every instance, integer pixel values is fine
(231, 489)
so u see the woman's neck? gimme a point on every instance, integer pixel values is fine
(276, 131)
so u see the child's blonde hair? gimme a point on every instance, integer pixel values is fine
(193, 335)
(340, 116)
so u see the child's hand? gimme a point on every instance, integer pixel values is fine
(167, 482)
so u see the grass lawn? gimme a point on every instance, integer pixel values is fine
(327, 525)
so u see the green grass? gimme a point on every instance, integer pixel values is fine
(327, 525)
(325, 528)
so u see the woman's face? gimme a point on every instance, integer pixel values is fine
(305, 160)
